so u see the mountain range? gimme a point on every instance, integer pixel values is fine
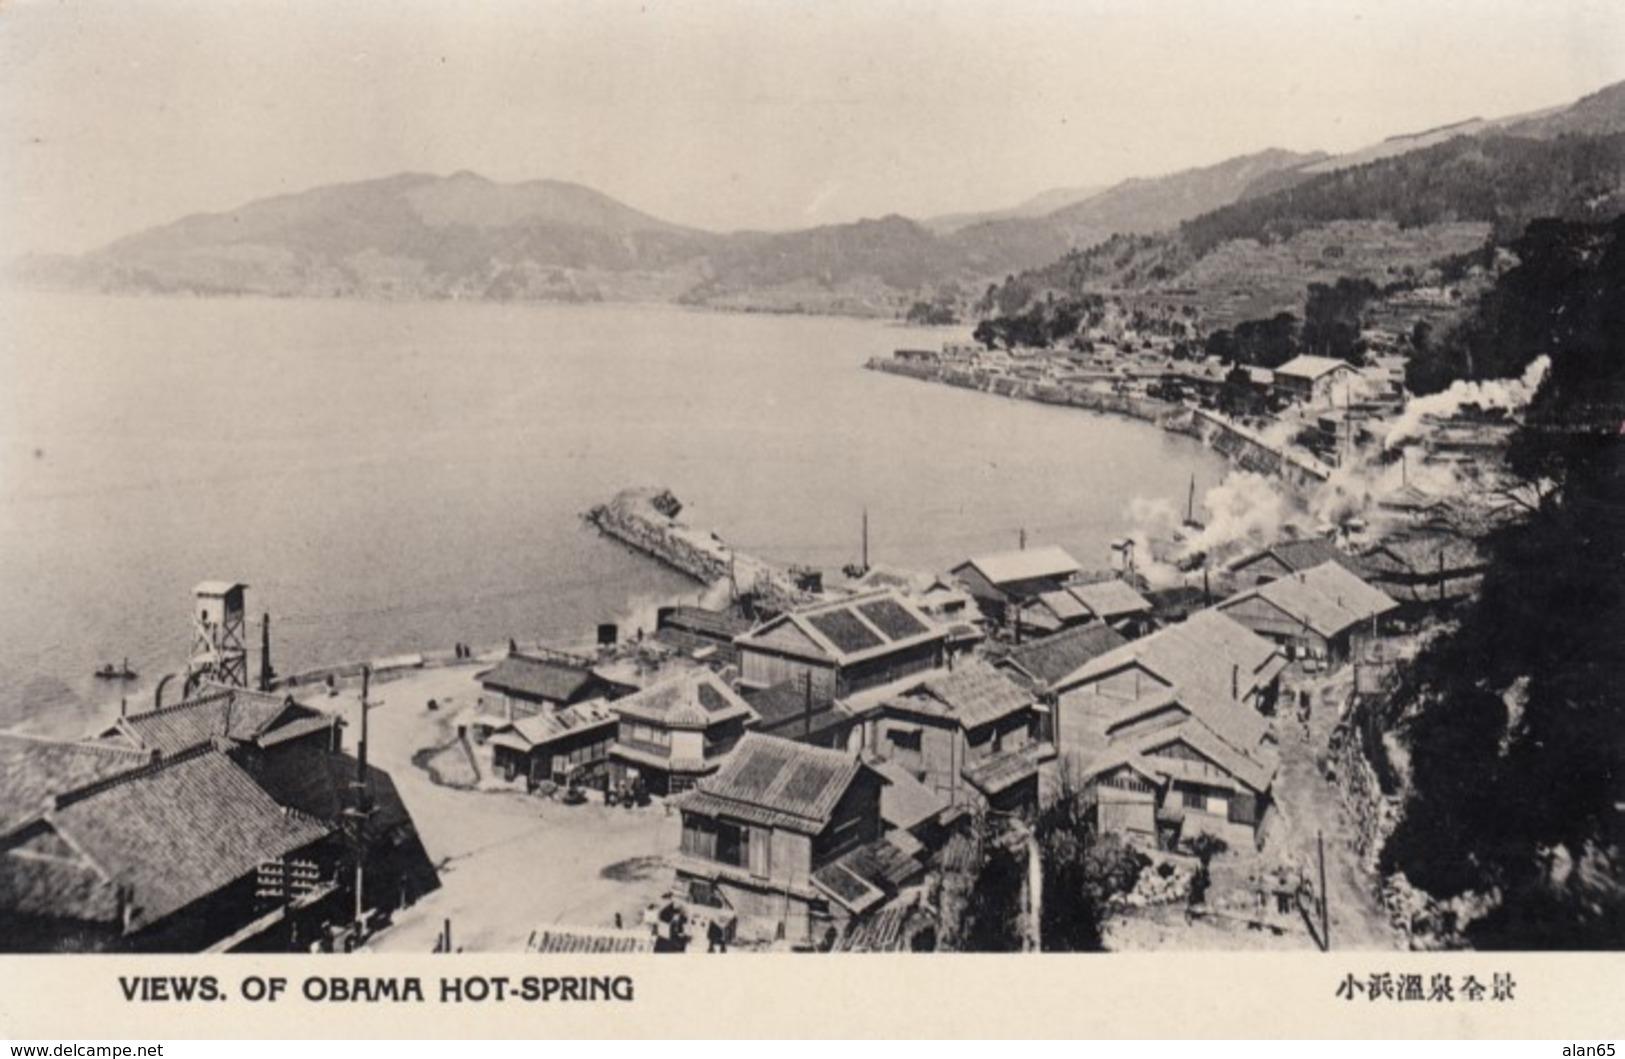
(463, 236)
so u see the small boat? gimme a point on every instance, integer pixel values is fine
(119, 672)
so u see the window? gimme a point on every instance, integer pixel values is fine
(1194, 798)
(904, 739)
(733, 844)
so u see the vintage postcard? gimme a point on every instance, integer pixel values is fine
(518, 516)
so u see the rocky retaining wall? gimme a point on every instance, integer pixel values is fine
(1234, 443)
(646, 521)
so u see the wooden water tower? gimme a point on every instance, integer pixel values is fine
(219, 640)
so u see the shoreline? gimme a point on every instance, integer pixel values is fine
(1239, 446)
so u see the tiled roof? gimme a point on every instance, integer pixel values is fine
(697, 646)
(712, 624)
(543, 728)
(782, 709)
(697, 698)
(1002, 771)
(1048, 660)
(32, 769)
(1110, 599)
(905, 802)
(238, 714)
(1326, 599)
(867, 876)
(1025, 565)
(973, 695)
(537, 678)
(1207, 653)
(791, 785)
(588, 941)
(173, 833)
(848, 630)
(1300, 555)
(1307, 367)
(1064, 605)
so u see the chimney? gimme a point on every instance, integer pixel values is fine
(123, 706)
(1235, 682)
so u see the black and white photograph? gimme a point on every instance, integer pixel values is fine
(622, 479)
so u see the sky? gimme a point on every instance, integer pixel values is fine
(729, 114)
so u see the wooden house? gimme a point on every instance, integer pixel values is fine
(706, 636)
(970, 736)
(1289, 557)
(135, 851)
(673, 733)
(1175, 764)
(567, 745)
(1111, 601)
(1314, 613)
(1001, 583)
(1426, 570)
(541, 680)
(794, 713)
(842, 646)
(1315, 380)
(776, 813)
(1207, 655)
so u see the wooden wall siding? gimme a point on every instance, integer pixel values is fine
(1244, 808)
(855, 821)
(759, 850)
(699, 837)
(1266, 619)
(1127, 816)
(1210, 770)
(890, 667)
(759, 669)
(792, 856)
(1265, 568)
(687, 745)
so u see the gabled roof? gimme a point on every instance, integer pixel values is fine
(713, 624)
(1066, 606)
(1255, 768)
(1307, 367)
(33, 769)
(1298, 555)
(1000, 772)
(776, 782)
(174, 833)
(1207, 652)
(238, 714)
(1110, 599)
(972, 695)
(785, 706)
(1054, 657)
(543, 728)
(905, 802)
(1240, 727)
(696, 698)
(1028, 564)
(846, 631)
(1424, 556)
(537, 678)
(1327, 600)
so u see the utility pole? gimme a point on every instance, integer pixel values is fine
(363, 807)
(266, 672)
(1325, 915)
(1023, 538)
(865, 539)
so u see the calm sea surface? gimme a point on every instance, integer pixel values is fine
(396, 477)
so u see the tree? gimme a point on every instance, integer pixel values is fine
(1332, 318)
(1514, 719)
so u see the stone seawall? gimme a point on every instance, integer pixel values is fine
(646, 521)
(1236, 444)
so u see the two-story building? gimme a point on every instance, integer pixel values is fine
(835, 648)
(1206, 655)
(969, 736)
(1002, 583)
(671, 734)
(777, 813)
(1316, 613)
(1315, 380)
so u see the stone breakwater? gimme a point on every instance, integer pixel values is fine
(1235, 443)
(646, 520)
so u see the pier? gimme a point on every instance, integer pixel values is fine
(646, 520)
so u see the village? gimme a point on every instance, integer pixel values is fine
(813, 760)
